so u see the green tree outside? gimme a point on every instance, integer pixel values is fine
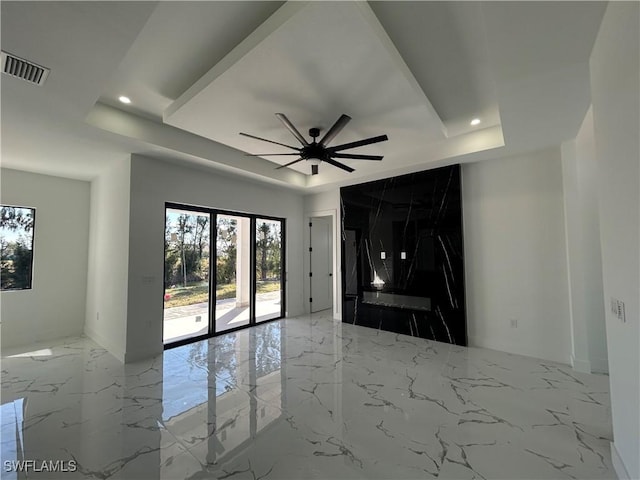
(16, 247)
(187, 257)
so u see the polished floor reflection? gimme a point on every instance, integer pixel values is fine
(304, 398)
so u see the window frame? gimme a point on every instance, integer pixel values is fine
(33, 241)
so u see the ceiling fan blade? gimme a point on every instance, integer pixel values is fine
(270, 141)
(356, 157)
(283, 118)
(314, 169)
(335, 129)
(290, 163)
(359, 143)
(267, 154)
(338, 164)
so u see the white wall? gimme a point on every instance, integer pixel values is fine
(55, 306)
(591, 249)
(107, 278)
(515, 257)
(579, 176)
(573, 234)
(615, 92)
(154, 182)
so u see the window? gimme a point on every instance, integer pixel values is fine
(16, 247)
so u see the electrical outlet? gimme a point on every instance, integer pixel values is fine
(383, 255)
(513, 322)
(403, 255)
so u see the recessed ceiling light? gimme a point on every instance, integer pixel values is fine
(124, 99)
(475, 121)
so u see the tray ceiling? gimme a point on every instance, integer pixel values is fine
(198, 73)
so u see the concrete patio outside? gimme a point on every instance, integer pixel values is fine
(193, 320)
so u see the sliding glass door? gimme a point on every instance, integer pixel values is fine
(268, 269)
(222, 271)
(233, 272)
(186, 274)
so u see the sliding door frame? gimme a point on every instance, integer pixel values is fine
(283, 270)
(196, 210)
(213, 281)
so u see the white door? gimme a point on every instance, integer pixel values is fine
(321, 265)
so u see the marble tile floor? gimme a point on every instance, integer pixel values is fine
(302, 398)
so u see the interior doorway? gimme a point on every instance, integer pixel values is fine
(321, 263)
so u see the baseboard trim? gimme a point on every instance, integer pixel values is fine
(618, 464)
(131, 357)
(600, 365)
(100, 340)
(483, 342)
(578, 365)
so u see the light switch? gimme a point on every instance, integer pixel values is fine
(621, 314)
(617, 308)
(383, 255)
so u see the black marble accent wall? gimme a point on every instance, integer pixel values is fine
(402, 255)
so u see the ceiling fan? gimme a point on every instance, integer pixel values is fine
(317, 152)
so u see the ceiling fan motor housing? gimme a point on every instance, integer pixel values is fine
(313, 150)
(317, 152)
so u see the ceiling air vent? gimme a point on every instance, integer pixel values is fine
(20, 68)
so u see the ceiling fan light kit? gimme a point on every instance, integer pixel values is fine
(317, 152)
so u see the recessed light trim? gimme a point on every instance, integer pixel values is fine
(474, 122)
(124, 99)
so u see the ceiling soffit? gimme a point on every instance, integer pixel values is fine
(179, 43)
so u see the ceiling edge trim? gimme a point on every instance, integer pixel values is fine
(153, 133)
(445, 152)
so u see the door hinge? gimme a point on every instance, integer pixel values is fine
(311, 274)
(310, 224)
(310, 249)
(310, 300)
